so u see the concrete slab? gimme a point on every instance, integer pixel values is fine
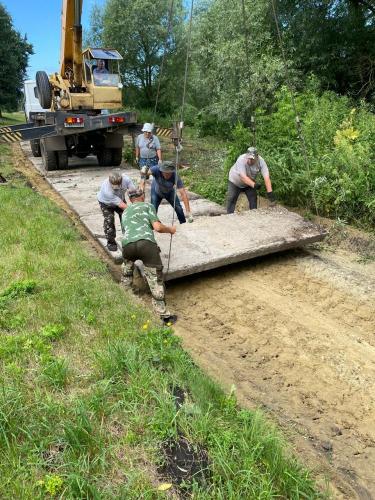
(214, 239)
(218, 241)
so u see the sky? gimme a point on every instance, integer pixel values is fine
(40, 20)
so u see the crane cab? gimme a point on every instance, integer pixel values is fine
(101, 75)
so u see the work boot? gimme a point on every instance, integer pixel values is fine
(127, 282)
(169, 320)
(112, 246)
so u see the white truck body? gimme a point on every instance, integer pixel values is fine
(31, 99)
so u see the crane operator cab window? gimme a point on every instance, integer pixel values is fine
(102, 67)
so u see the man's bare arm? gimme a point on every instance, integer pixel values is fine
(185, 199)
(162, 228)
(247, 180)
(267, 182)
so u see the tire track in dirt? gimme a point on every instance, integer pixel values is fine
(296, 335)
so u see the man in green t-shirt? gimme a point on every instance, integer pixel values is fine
(139, 222)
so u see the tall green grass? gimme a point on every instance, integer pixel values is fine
(332, 175)
(12, 118)
(87, 378)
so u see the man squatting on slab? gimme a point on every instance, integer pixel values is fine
(165, 181)
(242, 179)
(138, 223)
(111, 199)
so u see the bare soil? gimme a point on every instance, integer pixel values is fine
(295, 334)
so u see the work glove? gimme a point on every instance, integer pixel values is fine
(144, 172)
(160, 163)
(257, 186)
(271, 198)
(137, 160)
(189, 217)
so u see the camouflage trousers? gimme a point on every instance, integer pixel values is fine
(109, 220)
(154, 278)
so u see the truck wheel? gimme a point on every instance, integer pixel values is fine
(35, 148)
(49, 158)
(116, 156)
(105, 157)
(44, 89)
(62, 160)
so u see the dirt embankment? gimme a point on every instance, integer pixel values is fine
(295, 334)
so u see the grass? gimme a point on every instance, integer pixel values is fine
(87, 376)
(12, 118)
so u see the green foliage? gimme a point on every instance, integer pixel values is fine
(17, 289)
(235, 68)
(51, 484)
(138, 29)
(334, 40)
(14, 54)
(337, 177)
(55, 371)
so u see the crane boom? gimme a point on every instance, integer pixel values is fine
(71, 41)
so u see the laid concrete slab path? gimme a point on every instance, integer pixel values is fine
(213, 240)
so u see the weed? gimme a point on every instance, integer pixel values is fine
(55, 372)
(51, 485)
(15, 290)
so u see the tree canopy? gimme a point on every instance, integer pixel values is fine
(139, 30)
(237, 63)
(335, 40)
(14, 54)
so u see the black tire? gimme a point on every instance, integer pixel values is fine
(35, 148)
(62, 160)
(49, 158)
(44, 89)
(105, 157)
(116, 156)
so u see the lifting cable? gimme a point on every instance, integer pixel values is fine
(246, 50)
(291, 91)
(178, 147)
(166, 43)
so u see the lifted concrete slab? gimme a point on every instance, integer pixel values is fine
(215, 239)
(218, 241)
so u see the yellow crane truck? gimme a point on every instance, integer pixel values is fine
(78, 98)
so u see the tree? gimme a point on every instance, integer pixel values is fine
(335, 40)
(138, 30)
(14, 55)
(94, 36)
(235, 66)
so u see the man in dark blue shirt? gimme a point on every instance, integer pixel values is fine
(164, 182)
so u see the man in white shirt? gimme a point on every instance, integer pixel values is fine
(111, 198)
(242, 179)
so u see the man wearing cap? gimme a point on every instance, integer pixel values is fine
(165, 181)
(242, 179)
(112, 200)
(139, 223)
(147, 150)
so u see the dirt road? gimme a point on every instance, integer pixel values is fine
(295, 334)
